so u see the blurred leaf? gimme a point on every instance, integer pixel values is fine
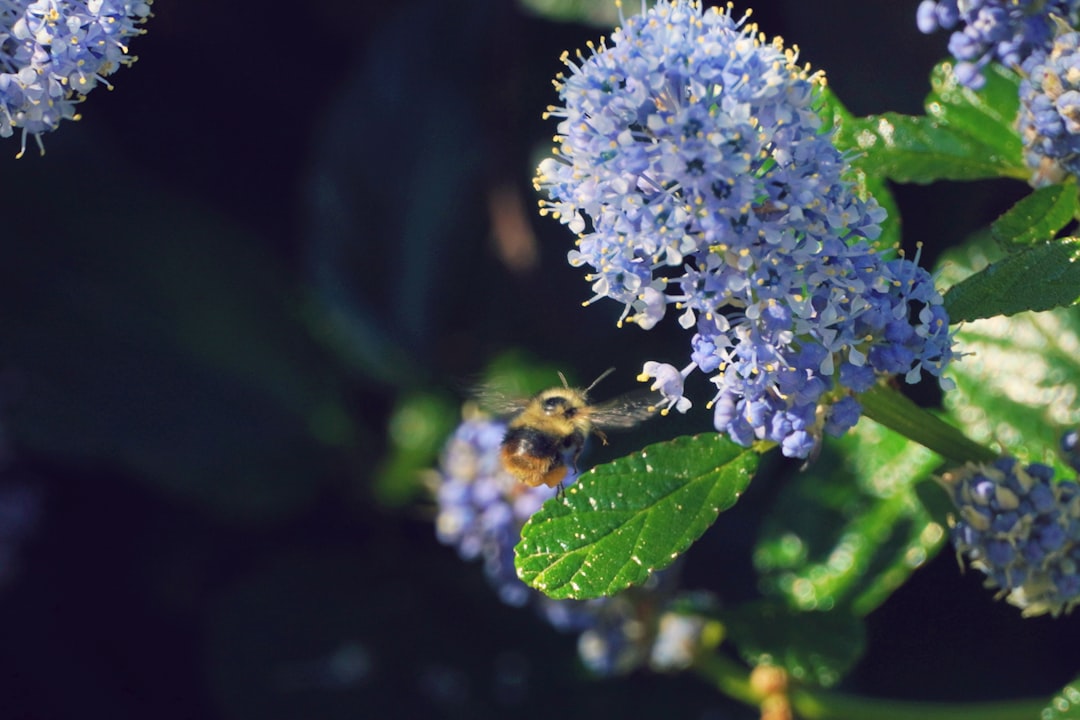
(1017, 383)
(1065, 705)
(1037, 277)
(963, 136)
(599, 13)
(935, 500)
(850, 530)
(1038, 216)
(519, 375)
(169, 344)
(418, 427)
(625, 519)
(391, 228)
(814, 647)
(1018, 379)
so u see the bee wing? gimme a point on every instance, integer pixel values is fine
(497, 401)
(625, 411)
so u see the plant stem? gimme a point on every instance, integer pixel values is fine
(823, 705)
(733, 680)
(889, 407)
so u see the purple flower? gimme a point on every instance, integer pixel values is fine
(692, 167)
(1022, 529)
(1008, 31)
(1049, 120)
(55, 52)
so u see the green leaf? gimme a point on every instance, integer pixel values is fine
(850, 530)
(1038, 216)
(814, 647)
(1018, 378)
(1038, 277)
(963, 136)
(988, 115)
(1065, 705)
(419, 425)
(599, 13)
(623, 520)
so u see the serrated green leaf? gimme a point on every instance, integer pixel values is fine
(625, 519)
(817, 648)
(963, 136)
(1065, 705)
(1037, 217)
(1038, 277)
(850, 530)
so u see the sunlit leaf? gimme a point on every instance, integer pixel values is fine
(965, 135)
(625, 519)
(1038, 216)
(1037, 277)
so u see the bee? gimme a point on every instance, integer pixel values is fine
(547, 432)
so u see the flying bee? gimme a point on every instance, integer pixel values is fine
(547, 432)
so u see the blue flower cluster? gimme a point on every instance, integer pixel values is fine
(1049, 120)
(692, 165)
(481, 509)
(1022, 530)
(55, 52)
(1004, 30)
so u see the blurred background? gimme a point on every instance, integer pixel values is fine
(243, 300)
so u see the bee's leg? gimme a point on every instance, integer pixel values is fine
(602, 436)
(560, 492)
(554, 478)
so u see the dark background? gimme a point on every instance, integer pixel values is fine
(286, 221)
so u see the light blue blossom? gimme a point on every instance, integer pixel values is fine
(482, 507)
(1008, 31)
(680, 639)
(1022, 529)
(692, 165)
(54, 52)
(1049, 120)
